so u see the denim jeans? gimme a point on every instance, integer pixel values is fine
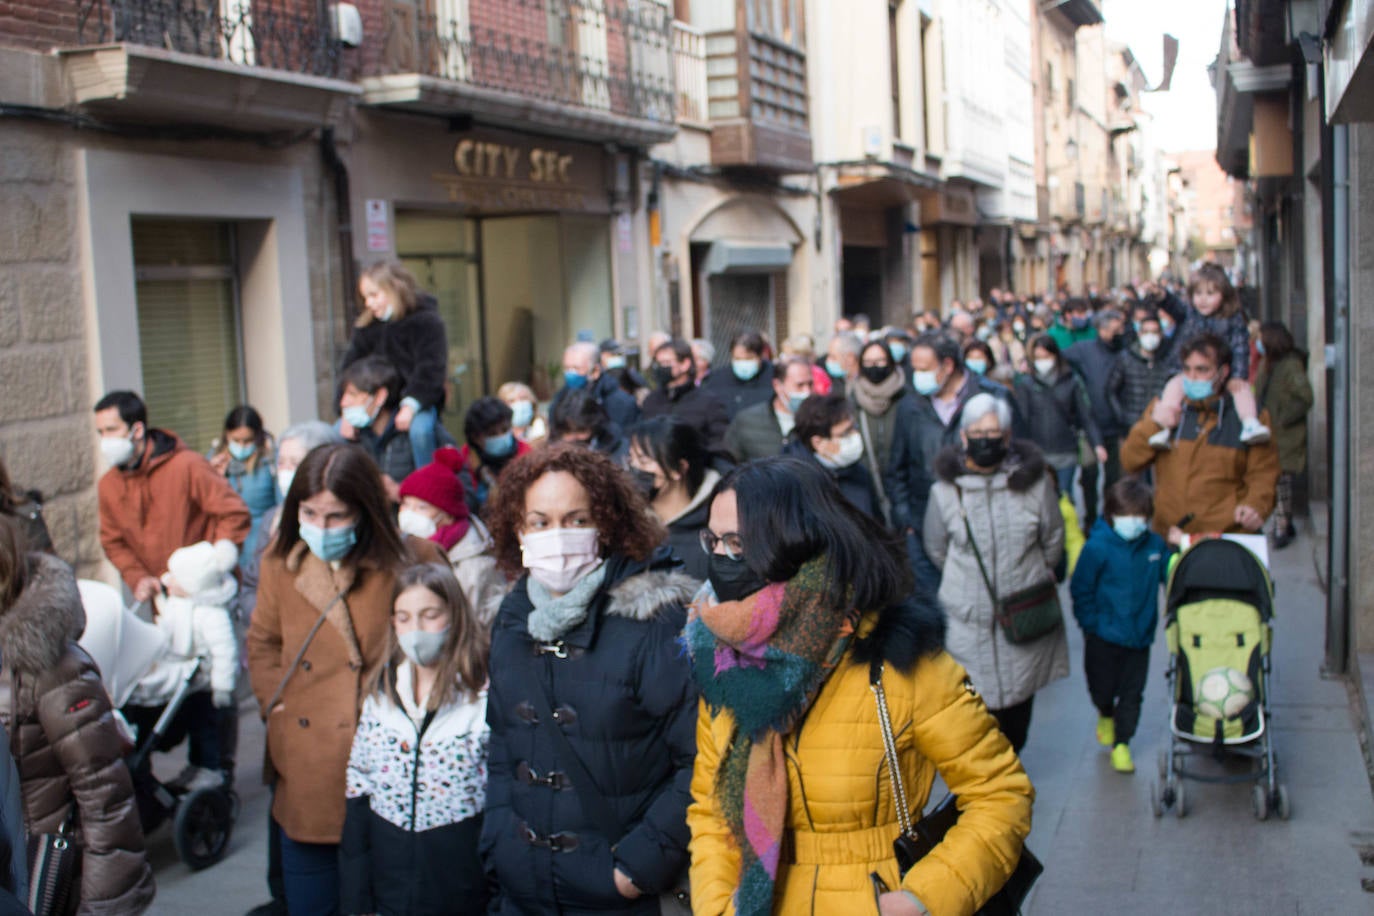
(423, 437)
(310, 875)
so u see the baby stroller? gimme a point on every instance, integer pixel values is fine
(126, 647)
(1218, 624)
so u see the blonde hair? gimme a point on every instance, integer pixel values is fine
(799, 345)
(1213, 274)
(393, 278)
(512, 391)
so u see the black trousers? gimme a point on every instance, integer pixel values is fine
(1110, 475)
(1116, 682)
(1014, 721)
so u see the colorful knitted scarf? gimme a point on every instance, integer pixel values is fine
(764, 658)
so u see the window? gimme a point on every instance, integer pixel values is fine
(188, 325)
(1068, 96)
(895, 74)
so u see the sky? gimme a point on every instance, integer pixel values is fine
(1185, 116)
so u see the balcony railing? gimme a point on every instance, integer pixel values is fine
(689, 68)
(291, 35)
(757, 101)
(607, 55)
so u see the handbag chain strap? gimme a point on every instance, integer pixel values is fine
(977, 554)
(890, 752)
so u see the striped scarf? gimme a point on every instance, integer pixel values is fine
(764, 658)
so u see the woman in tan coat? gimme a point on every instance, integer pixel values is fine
(317, 637)
(62, 731)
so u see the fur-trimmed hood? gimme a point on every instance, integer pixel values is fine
(904, 634)
(643, 596)
(1024, 464)
(47, 615)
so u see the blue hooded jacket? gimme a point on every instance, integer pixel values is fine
(1115, 586)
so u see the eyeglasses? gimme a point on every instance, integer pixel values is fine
(734, 548)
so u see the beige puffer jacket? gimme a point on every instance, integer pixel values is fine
(65, 741)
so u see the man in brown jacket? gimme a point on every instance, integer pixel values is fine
(1206, 472)
(157, 496)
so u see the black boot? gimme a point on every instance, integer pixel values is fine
(1285, 536)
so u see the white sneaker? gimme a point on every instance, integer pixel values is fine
(1253, 432)
(204, 778)
(1160, 440)
(182, 779)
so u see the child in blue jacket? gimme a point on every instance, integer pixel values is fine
(1115, 589)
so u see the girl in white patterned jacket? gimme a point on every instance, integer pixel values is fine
(417, 773)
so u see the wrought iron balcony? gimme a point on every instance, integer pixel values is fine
(289, 35)
(610, 58)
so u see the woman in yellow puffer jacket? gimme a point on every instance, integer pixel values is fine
(792, 805)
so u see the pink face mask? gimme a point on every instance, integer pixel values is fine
(559, 557)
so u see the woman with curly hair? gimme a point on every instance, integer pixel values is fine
(591, 705)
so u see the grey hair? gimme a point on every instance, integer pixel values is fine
(708, 349)
(1045, 314)
(849, 342)
(980, 405)
(584, 349)
(311, 434)
(1106, 317)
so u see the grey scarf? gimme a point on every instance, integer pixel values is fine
(552, 617)
(876, 399)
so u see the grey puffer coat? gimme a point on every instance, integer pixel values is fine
(1014, 514)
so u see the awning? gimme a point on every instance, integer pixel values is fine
(744, 257)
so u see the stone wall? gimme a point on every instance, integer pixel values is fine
(1361, 350)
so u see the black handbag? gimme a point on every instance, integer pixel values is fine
(54, 871)
(1025, 615)
(918, 838)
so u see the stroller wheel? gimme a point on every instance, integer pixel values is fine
(1281, 804)
(1163, 764)
(204, 822)
(1259, 802)
(1156, 805)
(1180, 801)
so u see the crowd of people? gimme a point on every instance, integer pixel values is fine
(618, 649)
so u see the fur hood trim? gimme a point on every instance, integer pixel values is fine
(905, 634)
(47, 615)
(1024, 464)
(642, 597)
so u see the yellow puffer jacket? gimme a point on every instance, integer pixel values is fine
(841, 820)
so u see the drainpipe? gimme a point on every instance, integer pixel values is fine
(1338, 352)
(329, 152)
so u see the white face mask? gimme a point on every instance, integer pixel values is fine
(559, 557)
(1149, 342)
(117, 450)
(284, 479)
(1044, 366)
(851, 449)
(416, 524)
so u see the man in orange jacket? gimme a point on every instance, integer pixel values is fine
(158, 495)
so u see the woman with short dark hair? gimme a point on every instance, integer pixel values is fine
(826, 434)
(591, 704)
(317, 638)
(810, 602)
(670, 465)
(245, 455)
(875, 393)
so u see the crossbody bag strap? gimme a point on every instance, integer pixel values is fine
(894, 770)
(977, 555)
(300, 654)
(594, 804)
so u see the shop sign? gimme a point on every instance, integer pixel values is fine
(503, 176)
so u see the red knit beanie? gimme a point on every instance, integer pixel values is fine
(438, 484)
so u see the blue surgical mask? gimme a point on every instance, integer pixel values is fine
(499, 446)
(615, 362)
(240, 451)
(357, 416)
(521, 414)
(977, 365)
(925, 383)
(1198, 389)
(795, 401)
(1259, 347)
(834, 369)
(1130, 527)
(329, 544)
(744, 369)
(574, 380)
(898, 351)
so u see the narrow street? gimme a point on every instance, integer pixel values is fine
(1103, 850)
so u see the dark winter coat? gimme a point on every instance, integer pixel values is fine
(621, 408)
(918, 437)
(622, 691)
(1056, 412)
(693, 406)
(65, 742)
(26, 509)
(736, 393)
(1093, 361)
(1136, 379)
(391, 448)
(1285, 392)
(684, 530)
(1115, 586)
(754, 433)
(854, 481)
(416, 345)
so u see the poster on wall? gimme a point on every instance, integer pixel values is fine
(378, 226)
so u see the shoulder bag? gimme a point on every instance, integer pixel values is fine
(269, 772)
(1024, 615)
(54, 858)
(676, 902)
(917, 839)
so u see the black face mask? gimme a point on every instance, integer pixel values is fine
(987, 452)
(662, 375)
(1114, 343)
(876, 374)
(645, 482)
(732, 579)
